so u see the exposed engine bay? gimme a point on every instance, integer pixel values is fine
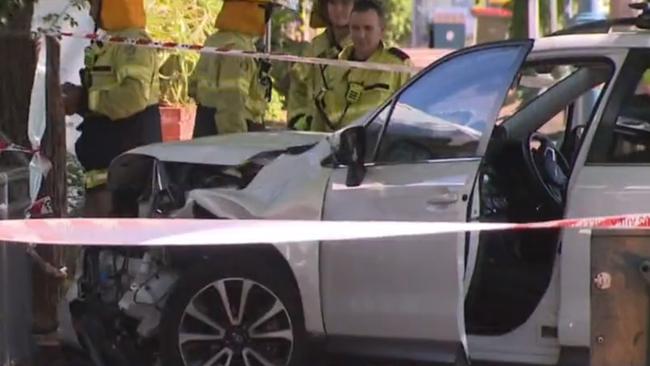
(118, 303)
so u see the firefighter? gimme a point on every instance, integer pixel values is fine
(232, 92)
(352, 92)
(118, 98)
(335, 16)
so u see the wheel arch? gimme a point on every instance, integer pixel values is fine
(296, 262)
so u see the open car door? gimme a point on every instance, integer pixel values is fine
(404, 296)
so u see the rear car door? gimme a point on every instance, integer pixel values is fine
(405, 295)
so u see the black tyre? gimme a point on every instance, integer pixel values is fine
(237, 313)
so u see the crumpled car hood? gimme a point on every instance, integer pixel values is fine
(233, 149)
(289, 187)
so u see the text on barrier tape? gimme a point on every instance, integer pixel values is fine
(195, 232)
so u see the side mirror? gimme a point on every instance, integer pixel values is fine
(351, 152)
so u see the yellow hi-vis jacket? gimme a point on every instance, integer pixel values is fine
(122, 80)
(352, 92)
(305, 79)
(234, 86)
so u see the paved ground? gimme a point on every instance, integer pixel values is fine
(53, 356)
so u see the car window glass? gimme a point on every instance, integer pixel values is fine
(445, 112)
(535, 80)
(532, 83)
(631, 137)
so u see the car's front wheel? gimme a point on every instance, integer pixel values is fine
(233, 314)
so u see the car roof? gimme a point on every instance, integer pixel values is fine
(614, 40)
(598, 26)
(620, 33)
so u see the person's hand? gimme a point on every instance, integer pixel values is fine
(72, 95)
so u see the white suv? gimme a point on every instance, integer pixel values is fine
(572, 139)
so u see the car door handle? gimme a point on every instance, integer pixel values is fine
(443, 199)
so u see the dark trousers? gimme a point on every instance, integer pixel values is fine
(205, 125)
(102, 139)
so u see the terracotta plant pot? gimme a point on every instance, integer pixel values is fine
(177, 122)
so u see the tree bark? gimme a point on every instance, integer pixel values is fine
(20, 19)
(15, 94)
(15, 88)
(46, 288)
(16, 85)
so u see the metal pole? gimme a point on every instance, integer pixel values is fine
(596, 6)
(589, 10)
(590, 6)
(267, 37)
(4, 275)
(533, 18)
(568, 9)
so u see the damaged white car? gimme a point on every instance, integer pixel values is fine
(567, 142)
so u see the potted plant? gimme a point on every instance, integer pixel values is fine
(181, 21)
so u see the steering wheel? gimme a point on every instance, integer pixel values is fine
(547, 167)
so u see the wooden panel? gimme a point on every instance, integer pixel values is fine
(619, 299)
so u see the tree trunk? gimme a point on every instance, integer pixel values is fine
(47, 288)
(16, 86)
(20, 19)
(15, 89)
(15, 94)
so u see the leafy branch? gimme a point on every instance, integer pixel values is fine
(55, 21)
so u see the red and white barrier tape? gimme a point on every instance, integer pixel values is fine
(189, 232)
(11, 147)
(236, 53)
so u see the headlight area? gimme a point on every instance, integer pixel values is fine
(170, 184)
(143, 186)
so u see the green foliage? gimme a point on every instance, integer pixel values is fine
(182, 21)
(519, 24)
(55, 21)
(276, 111)
(399, 13)
(75, 183)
